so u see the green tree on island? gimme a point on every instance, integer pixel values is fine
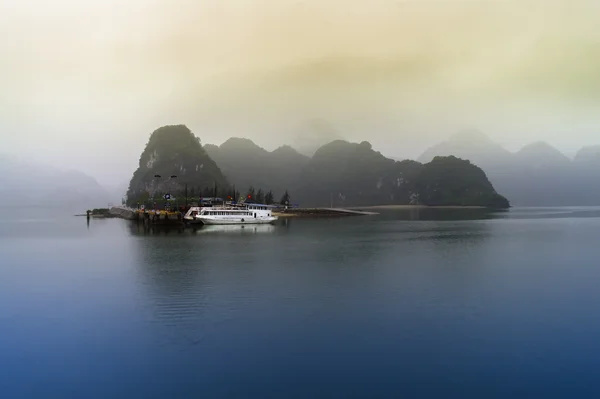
(260, 196)
(285, 200)
(269, 198)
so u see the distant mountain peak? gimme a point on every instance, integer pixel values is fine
(240, 142)
(286, 150)
(285, 147)
(471, 135)
(312, 134)
(588, 154)
(469, 144)
(543, 151)
(211, 149)
(246, 164)
(538, 145)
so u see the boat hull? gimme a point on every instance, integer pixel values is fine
(192, 221)
(249, 220)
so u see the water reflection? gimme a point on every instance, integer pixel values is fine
(174, 280)
(553, 213)
(141, 229)
(449, 231)
(182, 270)
(440, 214)
(235, 229)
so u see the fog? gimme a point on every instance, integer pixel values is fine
(84, 83)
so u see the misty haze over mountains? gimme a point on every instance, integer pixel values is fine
(86, 81)
(536, 175)
(339, 173)
(26, 183)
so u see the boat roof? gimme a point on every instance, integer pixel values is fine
(257, 204)
(205, 199)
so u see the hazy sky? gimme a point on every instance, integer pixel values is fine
(84, 83)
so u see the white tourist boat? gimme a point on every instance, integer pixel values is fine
(231, 214)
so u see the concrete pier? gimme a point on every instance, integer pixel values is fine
(123, 212)
(147, 216)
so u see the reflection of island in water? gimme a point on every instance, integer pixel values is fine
(142, 229)
(190, 283)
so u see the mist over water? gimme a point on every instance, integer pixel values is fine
(401, 74)
(423, 303)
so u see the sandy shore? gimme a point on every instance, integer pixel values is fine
(285, 215)
(326, 212)
(321, 212)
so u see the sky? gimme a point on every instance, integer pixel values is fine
(84, 83)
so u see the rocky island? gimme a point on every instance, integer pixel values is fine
(340, 174)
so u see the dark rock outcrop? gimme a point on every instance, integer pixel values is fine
(174, 151)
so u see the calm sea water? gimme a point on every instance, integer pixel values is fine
(412, 304)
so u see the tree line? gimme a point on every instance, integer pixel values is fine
(259, 196)
(195, 194)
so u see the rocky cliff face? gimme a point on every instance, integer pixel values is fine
(347, 174)
(455, 181)
(246, 164)
(536, 175)
(173, 158)
(339, 174)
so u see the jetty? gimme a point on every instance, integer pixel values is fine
(149, 216)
